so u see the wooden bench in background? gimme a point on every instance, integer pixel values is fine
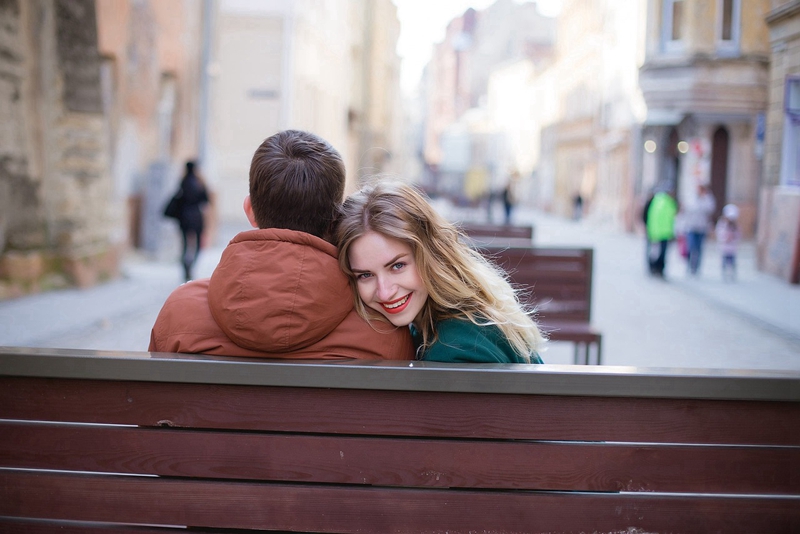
(99, 442)
(497, 235)
(558, 283)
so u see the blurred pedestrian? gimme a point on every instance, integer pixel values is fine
(697, 219)
(645, 211)
(728, 237)
(660, 230)
(577, 207)
(194, 196)
(508, 196)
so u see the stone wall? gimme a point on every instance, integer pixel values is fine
(54, 155)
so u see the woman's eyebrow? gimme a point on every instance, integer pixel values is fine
(394, 260)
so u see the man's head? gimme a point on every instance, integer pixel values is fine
(297, 182)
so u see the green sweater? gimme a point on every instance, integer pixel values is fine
(462, 341)
(661, 218)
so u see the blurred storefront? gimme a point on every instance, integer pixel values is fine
(778, 239)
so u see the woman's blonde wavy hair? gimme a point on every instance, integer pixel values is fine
(460, 282)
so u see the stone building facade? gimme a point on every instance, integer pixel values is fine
(778, 238)
(329, 67)
(96, 114)
(705, 82)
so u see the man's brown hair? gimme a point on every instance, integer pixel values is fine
(297, 182)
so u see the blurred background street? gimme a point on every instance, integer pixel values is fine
(579, 110)
(685, 321)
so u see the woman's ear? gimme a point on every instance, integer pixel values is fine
(248, 210)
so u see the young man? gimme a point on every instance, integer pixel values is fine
(278, 291)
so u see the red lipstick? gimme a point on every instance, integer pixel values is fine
(397, 309)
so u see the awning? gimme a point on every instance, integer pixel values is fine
(663, 117)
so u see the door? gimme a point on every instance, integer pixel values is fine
(719, 168)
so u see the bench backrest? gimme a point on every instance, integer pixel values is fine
(499, 234)
(246, 444)
(557, 281)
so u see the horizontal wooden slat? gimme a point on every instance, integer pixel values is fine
(557, 282)
(409, 413)
(570, 331)
(498, 230)
(160, 501)
(401, 462)
(31, 526)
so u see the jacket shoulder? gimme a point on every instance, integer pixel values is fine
(356, 338)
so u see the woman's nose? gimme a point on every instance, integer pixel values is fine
(386, 289)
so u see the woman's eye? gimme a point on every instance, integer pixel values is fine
(399, 265)
(363, 276)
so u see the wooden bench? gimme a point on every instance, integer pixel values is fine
(499, 234)
(137, 443)
(558, 283)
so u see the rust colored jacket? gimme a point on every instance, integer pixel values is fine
(275, 294)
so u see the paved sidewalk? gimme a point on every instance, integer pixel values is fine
(753, 323)
(114, 316)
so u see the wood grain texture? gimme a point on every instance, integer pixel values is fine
(402, 413)
(160, 501)
(29, 526)
(401, 462)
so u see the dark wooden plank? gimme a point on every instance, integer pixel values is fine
(401, 462)
(36, 526)
(498, 230)
(569, 331)
(332, 508)
(557, 283)
(402, 413)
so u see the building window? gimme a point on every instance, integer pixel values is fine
(672, 25)
(728, 26)
(790, 166)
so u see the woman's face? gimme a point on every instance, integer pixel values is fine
(387, 277)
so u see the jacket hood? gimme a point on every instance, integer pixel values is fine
(278, 290)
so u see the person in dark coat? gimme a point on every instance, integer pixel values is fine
(194, 197)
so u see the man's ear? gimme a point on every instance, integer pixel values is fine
(248, 210)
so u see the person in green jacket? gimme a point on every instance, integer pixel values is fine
(660, 230)
(410, 267)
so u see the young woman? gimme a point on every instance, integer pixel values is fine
(410, 266)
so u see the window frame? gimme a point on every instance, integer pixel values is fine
(729, 47)
(668, 44)
(790, 150)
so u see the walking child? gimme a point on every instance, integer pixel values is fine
(728, 237)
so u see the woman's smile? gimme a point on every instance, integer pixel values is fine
(396, 306)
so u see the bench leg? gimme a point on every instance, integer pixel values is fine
(576, 354)
(599, 351)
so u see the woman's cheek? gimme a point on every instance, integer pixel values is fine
(364, 291)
